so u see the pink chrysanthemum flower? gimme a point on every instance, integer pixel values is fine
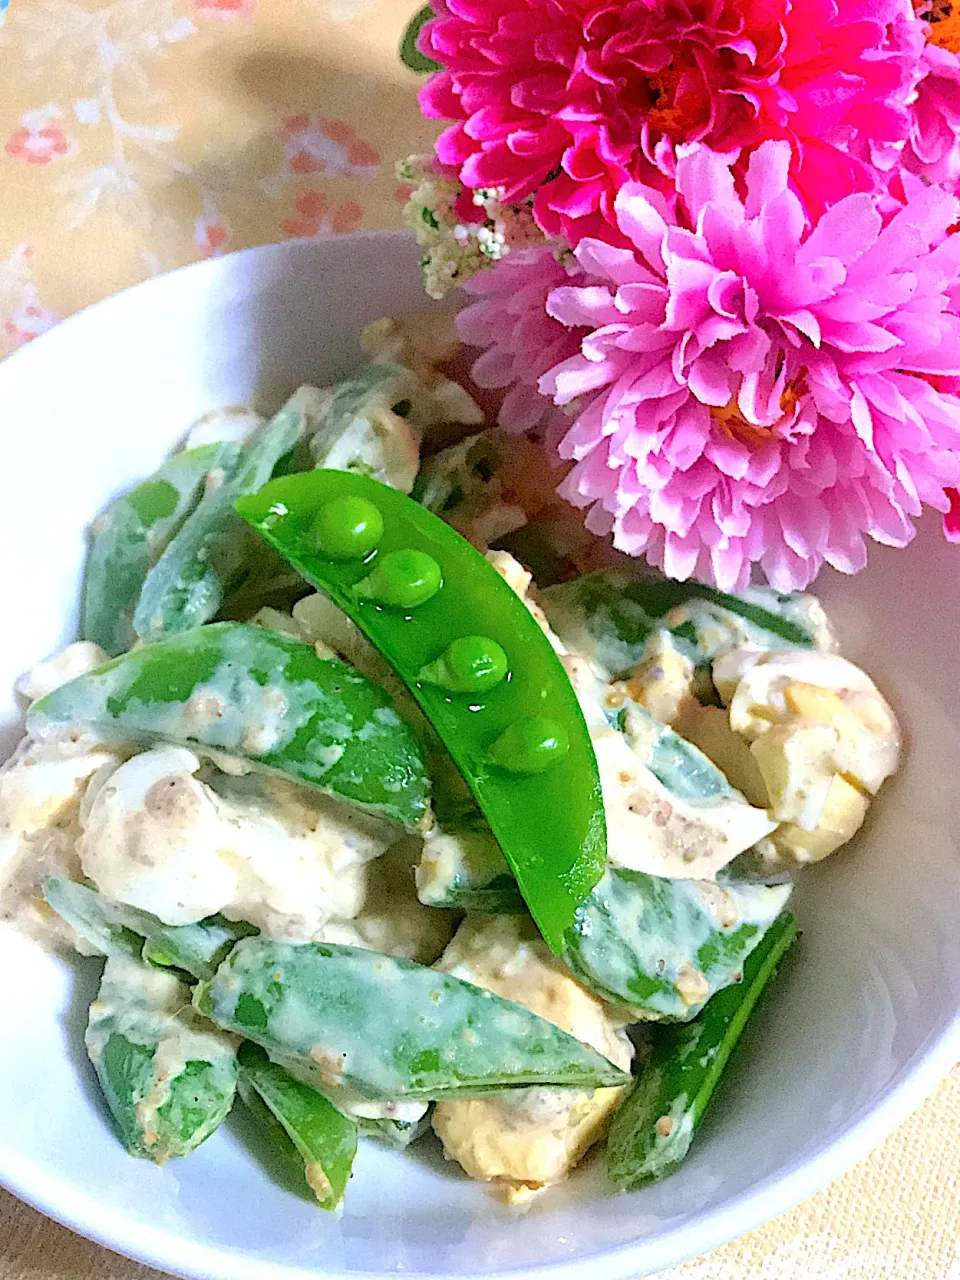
(756, 391)
(933, 148)
(570, 99)
(520, 341)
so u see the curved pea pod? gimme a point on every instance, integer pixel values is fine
(325, 1140)
(653, 1130)
(660, 949)
(208, 556)
(683, 769)
(670, 811)
(116, 930)
(271, 1142)
(364, 1027)
(129, 537)
(613, 614)
(260, 695)
(464, 868)
(168, 1078)
(522, 745)
(106, 929)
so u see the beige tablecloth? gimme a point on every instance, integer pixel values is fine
(138, 135)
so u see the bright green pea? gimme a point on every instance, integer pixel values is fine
(471, 664)
(348, 528)
(402, 579)
(531, 745)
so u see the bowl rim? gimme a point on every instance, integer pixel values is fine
(63, 1202)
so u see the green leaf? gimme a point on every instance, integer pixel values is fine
(410, 55)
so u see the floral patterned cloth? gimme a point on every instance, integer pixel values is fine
(138, 135)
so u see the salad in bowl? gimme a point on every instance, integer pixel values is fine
(390, 800)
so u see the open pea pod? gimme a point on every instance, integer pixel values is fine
(116, 930)
(612, 614)
(169, 1079)
(209, 554)
(653, 1130)
(365, 1027)
(127, 540)
(660, 949)
(260, 695)
(475, 660)
(325, 1140)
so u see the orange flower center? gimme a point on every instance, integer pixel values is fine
(944, 19)
(677, 109)
(737, 427)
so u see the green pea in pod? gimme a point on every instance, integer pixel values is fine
(611, 616)
(129, 537)
(262, 696)
(195, 950)
(653, 1130)
(660, 949)
(168, 1077)
(325, 1140)
(364, 1027)
(520, 741)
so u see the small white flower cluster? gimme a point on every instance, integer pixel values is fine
(456, 250)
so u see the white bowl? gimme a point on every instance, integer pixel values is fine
(863, 1022)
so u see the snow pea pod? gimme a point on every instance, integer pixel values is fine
(116, 930)
(325, 1140)
(653, 1130)
(208, 556)
(611, 616)
(660, 949)
(129, 537)
(169, 1079)
(260, 695)
(680, 766)
(196, 949)
(543, 804)
(364, 1027)
(108, 930)
(361, 430)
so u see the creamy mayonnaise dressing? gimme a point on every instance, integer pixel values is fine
(157, 837)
